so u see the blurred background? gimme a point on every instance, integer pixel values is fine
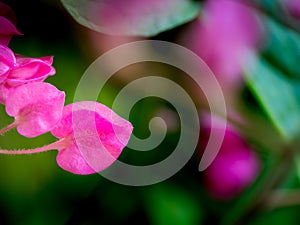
(254, 181)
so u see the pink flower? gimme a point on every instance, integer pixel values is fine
(235, 167)
(222, 36)
(7, 24)
(95, 137)
(37, 107)
(7, 61)
(29, 69)
(18, 70)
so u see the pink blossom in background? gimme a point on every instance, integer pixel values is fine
(101, 43)
(7, 24)
(222, 36)
(235, 167)
(293, 7)
(24, 70)
(37, 107)
(98, 43)
(95, 137)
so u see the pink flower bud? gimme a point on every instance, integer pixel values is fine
(235, 167)
(8, 13)
(37, 107)
(7, 24)
(95, 134)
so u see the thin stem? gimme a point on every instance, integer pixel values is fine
(53, 146)
(9, 127)
(270, 180)
(283, 198)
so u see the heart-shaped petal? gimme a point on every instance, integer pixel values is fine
(37, 107)
(97, 136)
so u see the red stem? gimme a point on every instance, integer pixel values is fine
(53, 146)
(9, 127)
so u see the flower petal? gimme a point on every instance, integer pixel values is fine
(7, 61)
(96, 132)
(30, 70)
(37, 107)
(7, 30)
(8, 13)
(70, 159)
(4, 91)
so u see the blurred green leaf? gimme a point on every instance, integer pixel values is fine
(277, 10)
(289, 215)
(276, 94)
(283, 47)
(137, 18)
(297, 165)
(171, 205)
(272, 7)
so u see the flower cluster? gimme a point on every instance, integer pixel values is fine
(223, 35)
(91, 136)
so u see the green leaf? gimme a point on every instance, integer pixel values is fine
(134, 17)
(272, 7)
(283, 47)
(276, 95)
(171, 205)
(277, 10)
